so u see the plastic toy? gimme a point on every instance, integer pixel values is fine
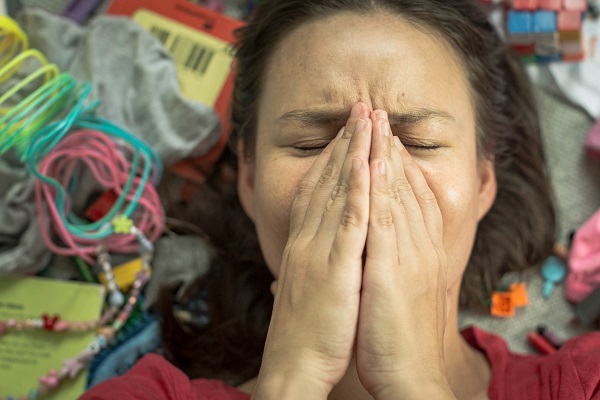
(546, 30)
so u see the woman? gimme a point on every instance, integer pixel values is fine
(389, 158)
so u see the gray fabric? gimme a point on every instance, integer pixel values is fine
(553, 312)
(137, 83)
(22, 248)
(132, 75)
(576, 182)
(575, 175)
(178, 260)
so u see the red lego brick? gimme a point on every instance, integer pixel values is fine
(569, 20)
(575, 5)
(553, 5)
(102, 205)
(531, 5)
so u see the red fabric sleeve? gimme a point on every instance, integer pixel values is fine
(154, 378)
(572, 373)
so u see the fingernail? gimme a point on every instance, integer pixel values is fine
(340, 133)
(356, 110)
(381, 167)
(383, 115)
(385, 128)
(356, 164)
(361, 124)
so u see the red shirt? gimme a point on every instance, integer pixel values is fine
(572, 373)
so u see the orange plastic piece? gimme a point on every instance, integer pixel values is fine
(518, 294)
(502, 304)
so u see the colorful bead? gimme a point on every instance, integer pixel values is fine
(94, 347)
(50, 381)
(61, 326)
(101, 340)
(73, 366)
(116, 298)
(33, 394)
(50, 321)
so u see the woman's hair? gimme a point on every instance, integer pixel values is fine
(518, 231)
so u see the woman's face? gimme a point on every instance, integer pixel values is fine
(315, 76)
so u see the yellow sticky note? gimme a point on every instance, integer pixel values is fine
(27, 355)
(203, 61)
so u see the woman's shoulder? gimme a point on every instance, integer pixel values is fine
(153, 378)
(573, 372)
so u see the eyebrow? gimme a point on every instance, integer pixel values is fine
(318, 118)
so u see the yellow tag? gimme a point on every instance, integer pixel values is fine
(203, 61)
(124, 273)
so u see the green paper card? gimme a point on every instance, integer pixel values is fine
(27, 355)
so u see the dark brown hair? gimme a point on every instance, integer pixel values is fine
(517, 233)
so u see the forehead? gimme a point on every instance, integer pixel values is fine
(380, 59)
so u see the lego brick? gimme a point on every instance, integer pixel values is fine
(549, 58)
(519, 22)
(546, 43)
(571, 47)
(548, 38)
(529, 59)
(544, 21)
(569, 20)
(569, 36)
(524, 50)
(554, 5)
(520, 38)
(573, 57)
(575, 5)
(526, 5)
(545, 50)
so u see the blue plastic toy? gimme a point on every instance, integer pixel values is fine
(554, 271)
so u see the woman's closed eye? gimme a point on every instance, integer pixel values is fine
(310, 148)
(422, 146)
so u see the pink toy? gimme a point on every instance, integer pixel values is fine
(575, 5)
(531, 5)
(584, 261)
(569, 20)
(550, 5)
(592, 142)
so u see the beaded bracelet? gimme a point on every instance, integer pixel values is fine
(107, 327)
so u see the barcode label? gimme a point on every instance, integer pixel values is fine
(186, 51)
(203, 62)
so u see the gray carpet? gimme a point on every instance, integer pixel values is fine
(576, 181)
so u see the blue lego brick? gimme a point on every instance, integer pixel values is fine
(520, 22)
(549, 58)
(544, 21)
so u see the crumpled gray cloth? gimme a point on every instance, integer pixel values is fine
(178, 259)
(22, 248)
(132, 74)
(136, 81)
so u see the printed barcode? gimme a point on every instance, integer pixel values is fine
(160, 34)
(186, 51)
